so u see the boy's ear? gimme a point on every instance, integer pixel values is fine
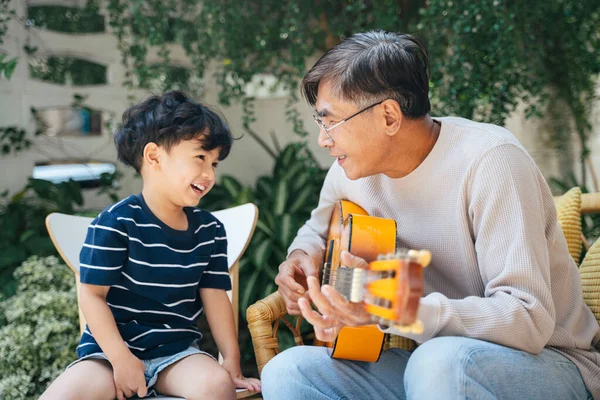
(151, 155)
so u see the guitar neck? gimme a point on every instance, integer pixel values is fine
(350, 282)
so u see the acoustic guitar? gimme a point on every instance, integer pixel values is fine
(390, 288)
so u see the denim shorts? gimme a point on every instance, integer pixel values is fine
(154, 365)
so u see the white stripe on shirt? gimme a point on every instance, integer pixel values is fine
(158, 284)
(205, 226)
(216, 273)
(163, 330)
(108, 228)
(116, 204)
(156, 312)
(154, 244)
(98, 267)
(167, 265)
(136, 224)
(170, 248)
(91, 246)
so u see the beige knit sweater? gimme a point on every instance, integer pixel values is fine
(500, 269)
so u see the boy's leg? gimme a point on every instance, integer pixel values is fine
(88, 379)
(196, 377)
(307, 372)
(464, 368)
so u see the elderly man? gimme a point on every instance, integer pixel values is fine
(503, 314)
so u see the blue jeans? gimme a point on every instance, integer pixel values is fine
(441, 368)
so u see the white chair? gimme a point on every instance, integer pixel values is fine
(68, 234)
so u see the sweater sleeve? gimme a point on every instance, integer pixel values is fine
(513, 219)
(312, 235)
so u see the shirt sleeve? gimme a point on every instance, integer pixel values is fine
(216, 274)
(104, 251)
(311, 237)
(513, 219)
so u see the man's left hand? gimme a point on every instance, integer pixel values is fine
(334, 310)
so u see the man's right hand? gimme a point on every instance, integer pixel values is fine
(129, 376)
(291, 279)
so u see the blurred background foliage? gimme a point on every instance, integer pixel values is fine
(38, 328)
(486, 59)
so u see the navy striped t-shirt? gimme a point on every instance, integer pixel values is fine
(154, 273)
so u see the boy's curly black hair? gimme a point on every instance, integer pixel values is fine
(167, 120)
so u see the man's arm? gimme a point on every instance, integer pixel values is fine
(510, 210)
(307, 251)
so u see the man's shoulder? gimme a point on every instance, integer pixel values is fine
(477, 134)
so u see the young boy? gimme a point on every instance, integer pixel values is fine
(152, 263)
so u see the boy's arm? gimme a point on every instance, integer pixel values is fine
(128, 369)
(101, 321)
(219, 315)
(102, 257)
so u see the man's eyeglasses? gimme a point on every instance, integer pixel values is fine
(327, 129)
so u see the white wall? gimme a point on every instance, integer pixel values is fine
(247, 160)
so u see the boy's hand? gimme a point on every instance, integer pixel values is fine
(233, 367)
(129, 377)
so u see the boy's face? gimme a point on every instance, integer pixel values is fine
(187, 172)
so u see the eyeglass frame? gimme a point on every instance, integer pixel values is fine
(326, 129)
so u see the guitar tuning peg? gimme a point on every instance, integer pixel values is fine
(403, 328)
(424, 258)
(416, 327)
(401, 253)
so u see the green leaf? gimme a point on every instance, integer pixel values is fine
(301, 202)
(12, 256)
(261, 253)
(250, 290)
(9, 67)
(285, 230)
(232, 186)
(260, 225)
(281, 197)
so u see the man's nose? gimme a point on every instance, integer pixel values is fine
(324, 139)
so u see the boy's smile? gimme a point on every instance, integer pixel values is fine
(185, 173)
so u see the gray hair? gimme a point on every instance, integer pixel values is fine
(374, 66)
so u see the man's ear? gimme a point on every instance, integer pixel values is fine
(151, 155)
(393, 116)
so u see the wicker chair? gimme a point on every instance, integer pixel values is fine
(265, 315)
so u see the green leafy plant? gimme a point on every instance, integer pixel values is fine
(7, 66)
(285, 199)
(39, 330)
(22, 221)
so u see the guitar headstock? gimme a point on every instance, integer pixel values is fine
(394, 288)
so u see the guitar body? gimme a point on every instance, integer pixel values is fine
(352, 229)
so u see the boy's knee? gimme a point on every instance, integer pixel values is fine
(218, 385)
